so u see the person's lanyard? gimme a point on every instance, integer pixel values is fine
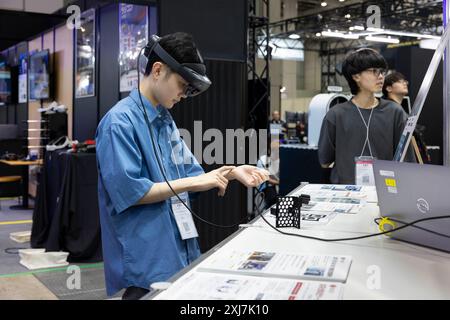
(367, 125)
(173, 158)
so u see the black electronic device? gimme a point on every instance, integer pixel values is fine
(56, 124)
(193, 73)
(288, 210)
(10, 156)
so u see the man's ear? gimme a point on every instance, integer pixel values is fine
(156, 69)
(389, 89)
(356, 77)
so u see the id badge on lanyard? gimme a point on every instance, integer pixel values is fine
(364, 164)
(183, 217)
(364, 171)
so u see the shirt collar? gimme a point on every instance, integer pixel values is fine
(153, 113)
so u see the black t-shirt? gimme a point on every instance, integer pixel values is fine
(343, 134)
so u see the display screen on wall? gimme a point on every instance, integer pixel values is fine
(39, 82)
(5, 84)
(85, 56)
(133, 35)
(23, 67)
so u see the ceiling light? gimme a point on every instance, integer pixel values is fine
(294, 36)
(347, 16)
(323, 4)
(429, 44)
(382, 39)
(318, 34)
(404, 34)
(350, 36)
(337, 34)
(375, 29)
(361, 28)
(411, 34)
(332, 34)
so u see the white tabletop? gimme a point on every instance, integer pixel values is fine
(382, 268)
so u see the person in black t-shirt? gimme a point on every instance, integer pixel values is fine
(276, 118)
(395, 87)
(363, 126)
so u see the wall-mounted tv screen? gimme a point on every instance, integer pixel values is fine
(5, 84)
(39, 75)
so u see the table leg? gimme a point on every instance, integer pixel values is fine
(24, 205)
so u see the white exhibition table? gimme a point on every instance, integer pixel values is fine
(405, 271)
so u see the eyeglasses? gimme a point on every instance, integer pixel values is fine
(377, 71)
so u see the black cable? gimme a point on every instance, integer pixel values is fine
(263, 196)
(13, 250)
(360, 237)
(161, 168)
(421, 228)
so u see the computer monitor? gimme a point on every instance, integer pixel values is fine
(291, 116)
(9, 131)
(39, 75)
(5, 84)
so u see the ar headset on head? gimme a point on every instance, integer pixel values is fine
(195, 75)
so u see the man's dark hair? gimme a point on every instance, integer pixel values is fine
(390, 80)
(358, 61)
(180, 46)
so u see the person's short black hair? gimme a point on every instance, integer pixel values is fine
(180, 46)
(358, 61)
(390, 79)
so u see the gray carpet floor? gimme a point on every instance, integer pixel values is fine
(9, 262)
(92, 281)
(6, 214)
(92, 284)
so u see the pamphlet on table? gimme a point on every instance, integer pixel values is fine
(213, 286)
(280, 264)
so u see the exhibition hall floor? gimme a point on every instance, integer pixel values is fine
(19, 283)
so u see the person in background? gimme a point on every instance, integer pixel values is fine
(365, 125)
(276, 118)
(395, 87)
(277, 125)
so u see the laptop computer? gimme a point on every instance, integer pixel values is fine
(410, 191)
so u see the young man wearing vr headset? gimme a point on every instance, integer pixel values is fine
(148, 233)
